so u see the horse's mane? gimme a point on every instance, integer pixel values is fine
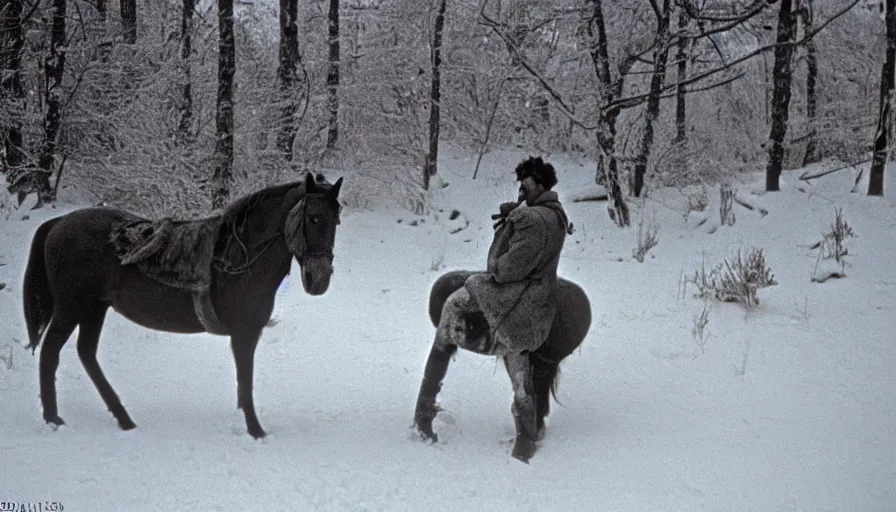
(234, 215)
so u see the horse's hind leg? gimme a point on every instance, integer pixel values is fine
(58, 332)
(88, 340)
(524, 410)
(243, 346)
(436, 368)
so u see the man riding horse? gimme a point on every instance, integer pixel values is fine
(508, 310)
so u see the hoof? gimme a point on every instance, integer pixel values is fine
(122, 417)
(423, 417)
(424, 431)
(54, 422)
(258, 433)
(523, 449)
(427, 435)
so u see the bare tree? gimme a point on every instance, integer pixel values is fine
(287, 76)
(657, 79)
(606, 131)
(806, 16)
(222, 176)
(54, 69)
(781, 92)
(333, 74)
(435, 96)
(881, 151)
(12, 39)
(129, 20)
(184, 125)
(681, 57)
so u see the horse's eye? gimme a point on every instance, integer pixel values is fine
(315, 219)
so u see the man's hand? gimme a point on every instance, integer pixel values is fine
(505, 210)
(508, 207)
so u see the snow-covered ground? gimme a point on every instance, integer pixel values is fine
(789, 406)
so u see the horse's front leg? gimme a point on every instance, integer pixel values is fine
(436, 367)
(524, 413)
(243, 346)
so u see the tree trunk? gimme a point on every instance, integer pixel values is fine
(129, 20)
(99, 32)
(185, 123)
(806, 16)
(879, 161)
(287, 76)
(435, 97)
(223, 158)
(606, 140)
(12, 40)
(681, 125)
(54, 67)
(657, 79)
(782, 78)
(333, 75)
(606, 132)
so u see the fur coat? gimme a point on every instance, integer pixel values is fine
(517, 294)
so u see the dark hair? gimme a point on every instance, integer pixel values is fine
(540, 171)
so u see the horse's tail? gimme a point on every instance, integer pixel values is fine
(38, 300)
(545, 373)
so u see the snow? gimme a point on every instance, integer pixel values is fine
(790, 405)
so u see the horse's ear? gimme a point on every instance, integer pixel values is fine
(309, 183)
(334, 190)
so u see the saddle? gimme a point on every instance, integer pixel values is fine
(176, 253)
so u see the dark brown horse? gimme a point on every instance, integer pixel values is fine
(217, 275)
(571, 324)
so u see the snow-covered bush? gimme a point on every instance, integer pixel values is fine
(648, 237)
(833, 247)
(735, 279)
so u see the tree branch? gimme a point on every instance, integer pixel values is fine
(631, 101)
(495, 26)
(806, 176)
(758, 5)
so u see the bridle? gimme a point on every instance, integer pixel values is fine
(223, 265)
(317, 254)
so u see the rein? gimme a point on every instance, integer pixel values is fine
(224, 266)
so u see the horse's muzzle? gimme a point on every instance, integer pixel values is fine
(316, 272)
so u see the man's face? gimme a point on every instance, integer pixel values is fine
(530, 190)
